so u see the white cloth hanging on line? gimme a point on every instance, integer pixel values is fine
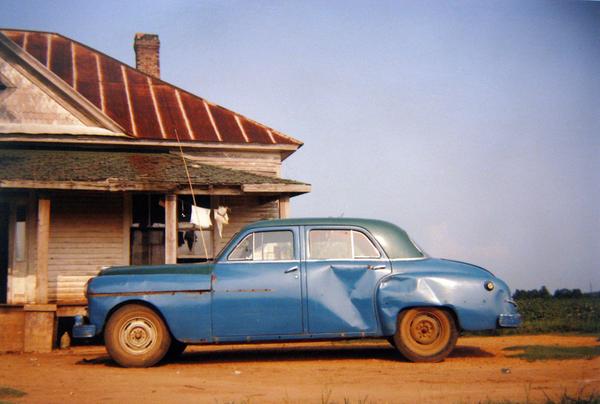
(221, 218)
(201, 217)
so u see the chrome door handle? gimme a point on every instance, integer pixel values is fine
(375, 267)
(292, 269)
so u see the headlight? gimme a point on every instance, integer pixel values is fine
(489, 286)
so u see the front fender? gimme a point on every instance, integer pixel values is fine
(475, 308)
(183, 301)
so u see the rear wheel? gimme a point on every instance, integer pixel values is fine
(136, 336)
(425, 334)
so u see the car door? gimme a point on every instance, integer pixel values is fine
(343, 268)
(256, 285)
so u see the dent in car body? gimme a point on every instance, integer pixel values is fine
(454, 285)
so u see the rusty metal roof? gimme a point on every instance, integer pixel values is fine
(120, 171)
(144, 106)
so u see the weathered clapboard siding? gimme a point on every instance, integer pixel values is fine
(246, 210)
(257, 163)
(86, 233)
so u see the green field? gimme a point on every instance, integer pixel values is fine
(551, 315)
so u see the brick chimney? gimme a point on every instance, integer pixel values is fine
(146, 53)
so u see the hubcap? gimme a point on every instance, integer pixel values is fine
(138, 335)
(424, 329)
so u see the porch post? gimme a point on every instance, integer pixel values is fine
(43, 236)
(284, 206)
(214, 205)
(171, 229)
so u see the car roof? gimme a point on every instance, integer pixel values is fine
(314, 221)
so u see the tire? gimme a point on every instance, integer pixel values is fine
(136, 336)
(425, 334)
(176, 349)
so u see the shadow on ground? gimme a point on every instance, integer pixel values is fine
(274, 354)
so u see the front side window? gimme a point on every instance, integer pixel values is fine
(265, 246)
(340, 244)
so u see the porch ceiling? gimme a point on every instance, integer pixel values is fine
(130, 171)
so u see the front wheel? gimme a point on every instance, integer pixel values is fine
(136, 336)
(425, 334)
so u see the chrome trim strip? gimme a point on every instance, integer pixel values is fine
(165, 292)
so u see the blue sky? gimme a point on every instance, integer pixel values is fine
(475, 125)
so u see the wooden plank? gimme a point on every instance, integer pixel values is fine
(223, 191)
(88, 185)
(284, 206)
(87, 233)
(43, 236)
(276, 188)
(31, 244)
(72, 310)
(171, 229)
(127, 220)
(262, 163)
(214, 204)
(284, 149)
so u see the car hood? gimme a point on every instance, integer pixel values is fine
(151, 279)
(167, 269)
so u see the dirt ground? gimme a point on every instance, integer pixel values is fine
(358, 372)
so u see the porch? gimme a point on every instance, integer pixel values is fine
(64, 215)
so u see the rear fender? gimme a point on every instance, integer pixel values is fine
(466, 298)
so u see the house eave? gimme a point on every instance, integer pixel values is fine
(116, 140)
(114, 185)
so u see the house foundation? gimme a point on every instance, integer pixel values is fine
(27, 328)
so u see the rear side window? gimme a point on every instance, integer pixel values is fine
(265, 246)
(340, 244)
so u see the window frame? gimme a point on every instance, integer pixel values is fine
(252, 234)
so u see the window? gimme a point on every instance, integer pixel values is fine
(244, 249)
(330, 244)
(363, 248)
(265, 246)
(21, 234)
(340, 244)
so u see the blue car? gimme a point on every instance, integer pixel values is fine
(297, 279)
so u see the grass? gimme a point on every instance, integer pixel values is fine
(579, 398)
(9, 392)
(552, 315)
(554, 352)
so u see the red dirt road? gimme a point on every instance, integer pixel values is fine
(364, 372)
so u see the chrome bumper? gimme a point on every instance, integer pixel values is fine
(509, 320)
(81, 330)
